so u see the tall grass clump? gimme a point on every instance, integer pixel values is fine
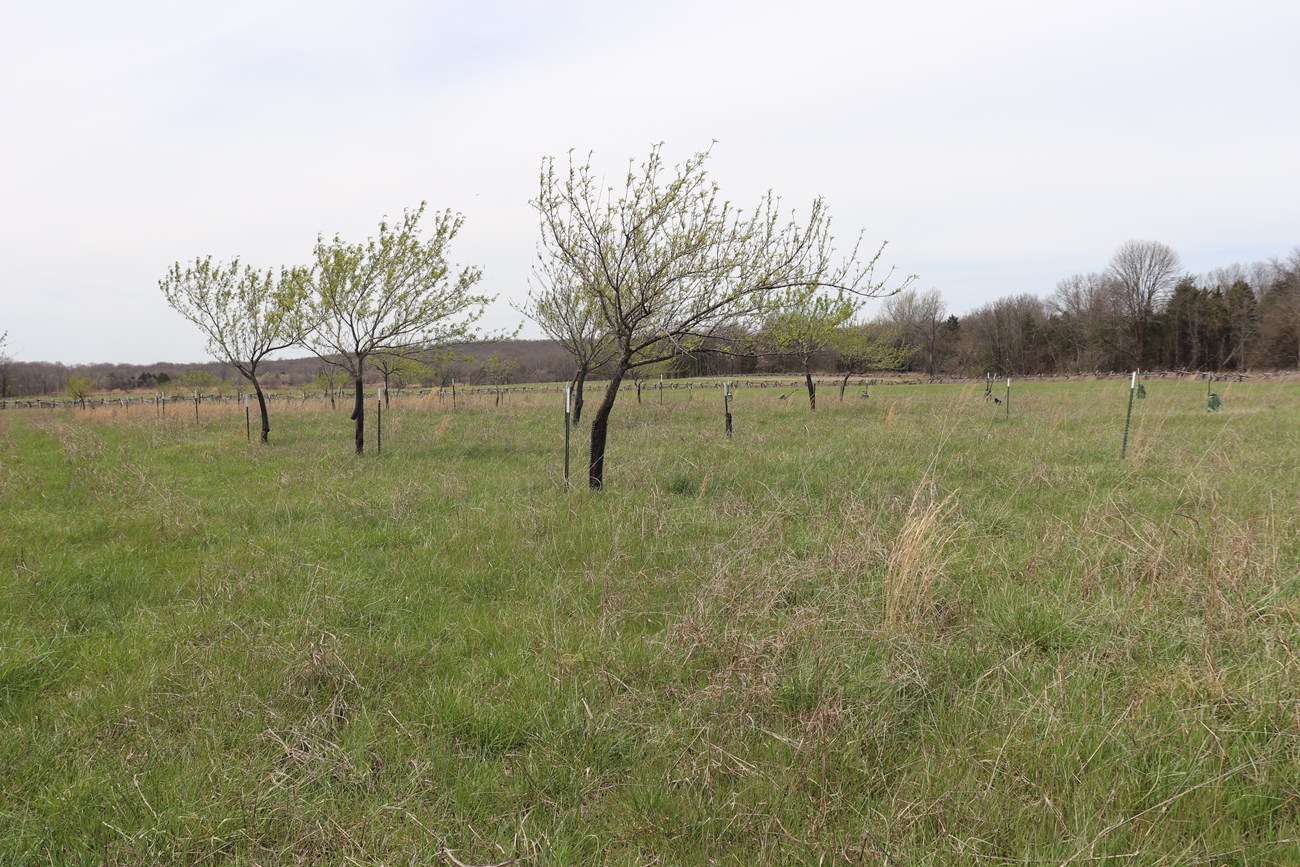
(918, 558)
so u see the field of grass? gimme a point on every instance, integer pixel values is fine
(904, 630)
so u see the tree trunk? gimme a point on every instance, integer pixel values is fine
(812, 390)
(359, 416)
(578, 381)
(387, 405)
(844, 383)
(261, 405)
(600, 430)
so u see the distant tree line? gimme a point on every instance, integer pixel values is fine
(535, 361)
(1142, 311)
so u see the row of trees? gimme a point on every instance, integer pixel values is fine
(661, 273)
(1142, 311)
(471, 364)
(355, 306)
(628, 280)
(1233, 318)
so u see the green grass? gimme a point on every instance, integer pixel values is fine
(216, 652)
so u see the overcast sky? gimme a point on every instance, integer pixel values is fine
(998, 147)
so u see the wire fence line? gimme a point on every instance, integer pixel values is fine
(163, 400)
(346, 397)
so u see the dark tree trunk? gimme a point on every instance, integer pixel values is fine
(812, 390)
(387, 405)
(600, 430)
(359, 416)
(844, 383)
(578, 381)
(261, 406)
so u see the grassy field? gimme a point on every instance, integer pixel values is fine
(904, 630)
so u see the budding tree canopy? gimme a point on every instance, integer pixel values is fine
(392, 293)
(667, 265)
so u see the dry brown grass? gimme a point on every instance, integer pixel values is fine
(918, 558)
